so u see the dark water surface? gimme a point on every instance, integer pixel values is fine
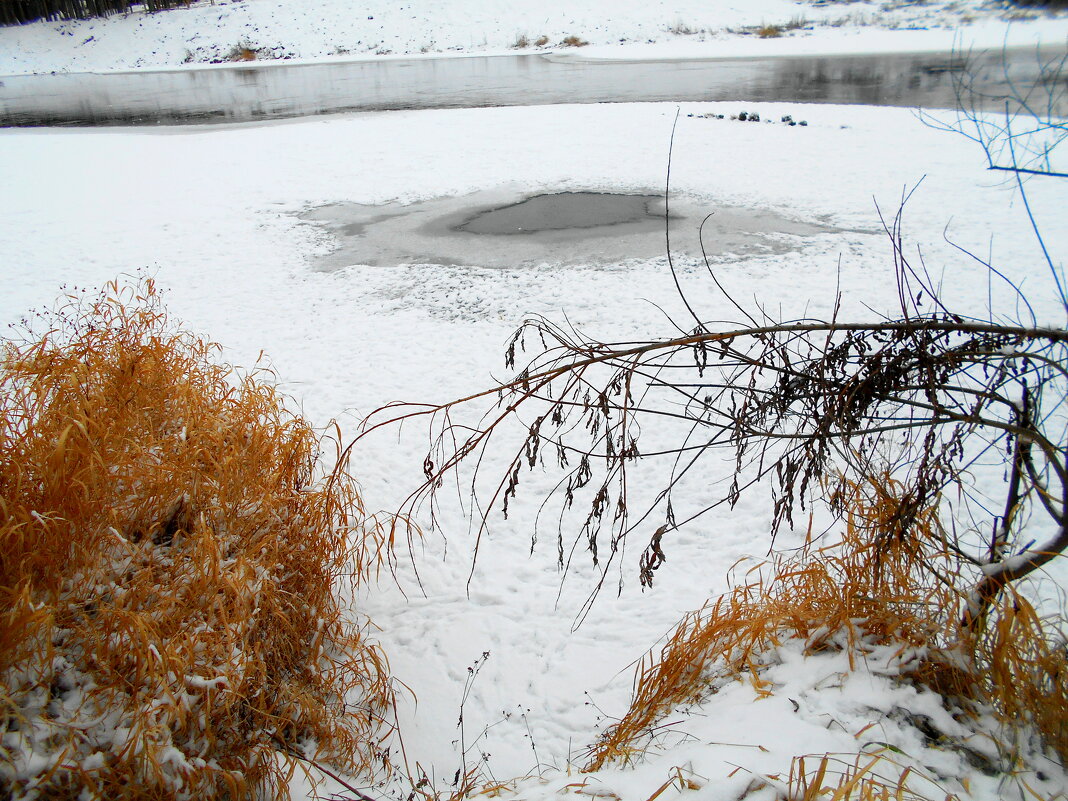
(566, 210)
(239, 93)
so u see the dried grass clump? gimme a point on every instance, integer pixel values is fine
(1022, 660)
(852, 777)
(892, 581)
(168, 558)
(243, 51)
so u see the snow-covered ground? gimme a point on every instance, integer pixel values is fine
(214, 214)
(222, 30)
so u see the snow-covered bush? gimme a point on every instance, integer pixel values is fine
(880, 598)
(169, 626)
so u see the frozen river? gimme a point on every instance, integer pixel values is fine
(238, 93)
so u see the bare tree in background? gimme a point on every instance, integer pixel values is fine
(1020, 127)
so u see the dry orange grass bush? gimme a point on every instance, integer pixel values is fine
(169, 627)
(893, 582)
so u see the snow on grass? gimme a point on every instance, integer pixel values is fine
(321, 29)
(741, 743)
(212, 212)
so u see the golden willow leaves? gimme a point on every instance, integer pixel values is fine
(169, 554)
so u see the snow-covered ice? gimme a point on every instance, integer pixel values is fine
(220, 216)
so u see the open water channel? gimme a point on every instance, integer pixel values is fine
(246, 92)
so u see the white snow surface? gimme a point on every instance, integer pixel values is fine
(212, 213)
(341, 29)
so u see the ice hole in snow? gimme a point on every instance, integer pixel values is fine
(508, 228)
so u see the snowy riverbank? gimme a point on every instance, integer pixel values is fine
(225, 30)
(220, 216)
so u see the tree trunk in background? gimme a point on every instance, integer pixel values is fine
(17, 12)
